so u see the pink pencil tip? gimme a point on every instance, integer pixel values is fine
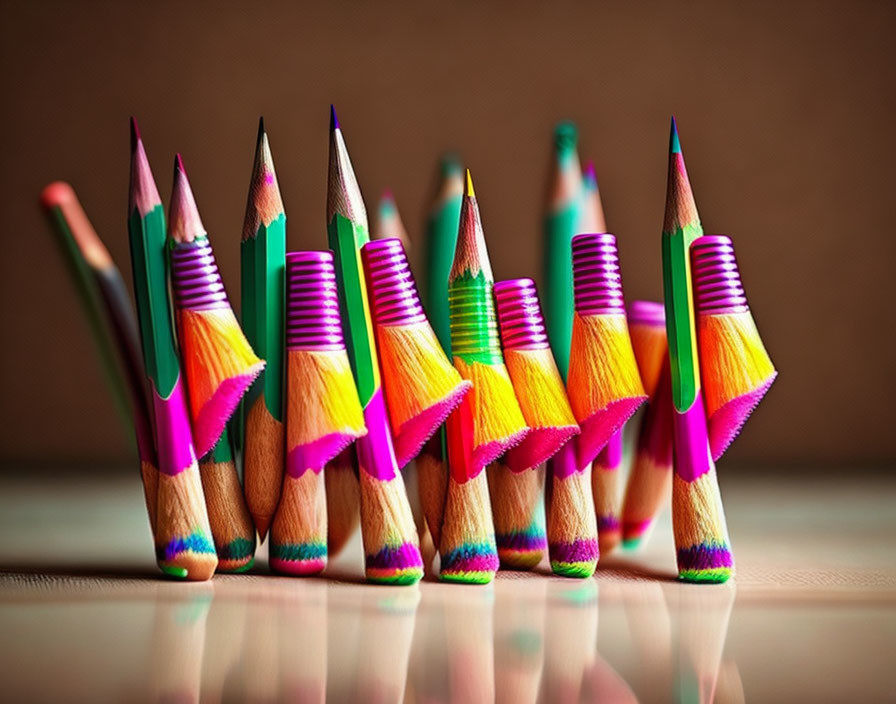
(387, 195)
(135, 133)
(179, 163)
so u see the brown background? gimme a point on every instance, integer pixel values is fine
(786, 110)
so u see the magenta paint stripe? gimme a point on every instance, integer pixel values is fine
(691, 442)
(402, 557)
(376, 455)
(479, 562)
(586, 550)
(172, 425)
(610, 458)
(716, 279)
(563, 464)
(607, 522)
(596, 279)
(393, 292)
(704, 557)
(195, 279)
(313, 321)
(314, 455)
(519, 315)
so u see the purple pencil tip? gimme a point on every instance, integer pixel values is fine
(334, 121)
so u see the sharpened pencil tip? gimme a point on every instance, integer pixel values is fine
(135, 133)
(179, 164)
(261, 131)
(470, 193)
(674, 143)
(334, 121)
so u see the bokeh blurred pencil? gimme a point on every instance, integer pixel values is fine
(262, 272)
(184, 546)
(109, 307)
(389, 224)
(391, 549)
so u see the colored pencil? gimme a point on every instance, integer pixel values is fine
(323, 413)
(420, 384)
(441, 237)
(219, 366)
(650, 481)
(390, 541)
(389, 224)
(231, 524)
(604, 383)
(606, 468)
(572, 526)
(262, 271)
(517, 502)
(184, 546)
(734, 366)
(698, 518)
(489, 420)
(111, 311)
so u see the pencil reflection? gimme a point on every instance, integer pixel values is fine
(571, 635)
(521, 640)
(699, 616)
(384, 646)
(303, 644)
(178, 642)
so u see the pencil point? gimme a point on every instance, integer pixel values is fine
(135, 133)
(184, 223)
(261, 131)
(470, 193)
(674, 143)
(334, 121)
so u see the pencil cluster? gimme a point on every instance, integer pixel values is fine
(339, 377)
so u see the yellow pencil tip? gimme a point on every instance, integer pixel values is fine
(470, 192)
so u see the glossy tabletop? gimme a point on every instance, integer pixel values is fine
(84, 615)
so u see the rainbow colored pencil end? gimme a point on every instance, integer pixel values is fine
(400, 565)
(470, 564)
(705, 563)
(236, 556)
(577, 559)
(192, 557)
(522, 550)
(299, 559)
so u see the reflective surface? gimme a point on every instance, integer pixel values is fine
(83, 616)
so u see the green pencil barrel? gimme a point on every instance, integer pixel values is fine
(346, 240)
(263, 299)
(150, 262)
(680, 323)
